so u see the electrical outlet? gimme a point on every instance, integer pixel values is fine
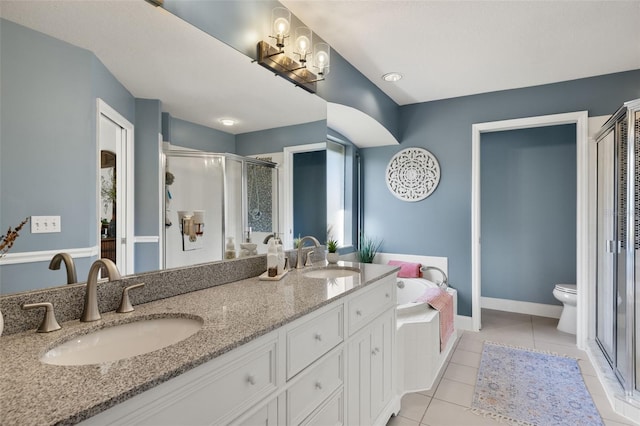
(45, 224)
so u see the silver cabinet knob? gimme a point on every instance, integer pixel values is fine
(251, 379)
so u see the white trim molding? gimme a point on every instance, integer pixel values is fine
(103, 109)
(519, 307)
(289, 151)
(146, 239)
(583, 239)
(46, 255)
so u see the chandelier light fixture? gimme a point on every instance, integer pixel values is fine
(306, 64)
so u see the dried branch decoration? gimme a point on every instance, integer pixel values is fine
(6, 241)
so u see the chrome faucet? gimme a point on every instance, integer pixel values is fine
(54, 265)
(300, 263)
(91, 312)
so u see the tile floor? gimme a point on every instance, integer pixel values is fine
(448, 401)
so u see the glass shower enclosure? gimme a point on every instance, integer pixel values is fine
(618, 245)
(217, 206)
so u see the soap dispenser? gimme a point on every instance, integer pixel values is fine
(230, 251)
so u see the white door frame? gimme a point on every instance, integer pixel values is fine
(580, 119)
(289, 151)
(104, 109)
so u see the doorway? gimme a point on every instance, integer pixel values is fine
(580, 119)
(115, 187)
(528, 218)
(315, 205)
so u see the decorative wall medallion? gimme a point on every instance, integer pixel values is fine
(413, 174)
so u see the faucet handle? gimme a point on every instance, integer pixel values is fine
(125, 303)
(308, 262)
(49, 322)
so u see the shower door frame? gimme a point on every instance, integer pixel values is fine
(632, 319)
(188, 153)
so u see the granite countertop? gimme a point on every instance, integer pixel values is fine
(233, 314)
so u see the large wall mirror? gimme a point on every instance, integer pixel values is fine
(58, 59)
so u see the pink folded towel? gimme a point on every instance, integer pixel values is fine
(442, 301)
(407, 269)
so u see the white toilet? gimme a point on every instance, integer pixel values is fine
(566, 293)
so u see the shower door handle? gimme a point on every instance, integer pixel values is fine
(611, 246)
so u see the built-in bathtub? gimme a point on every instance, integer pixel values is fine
(409, 290)
(418, 327)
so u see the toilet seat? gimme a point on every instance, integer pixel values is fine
(566, 288)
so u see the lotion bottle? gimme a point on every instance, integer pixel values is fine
(272, 259)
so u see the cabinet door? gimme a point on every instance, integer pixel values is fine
(370, 370)
(359, 379)
(265, 416)
(381, 363)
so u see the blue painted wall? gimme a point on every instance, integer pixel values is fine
(48, 152)
(441, 224)
(274, 140)
(147, 163)
(310, 194)
(195, 136)
(241, 24)
(528, 212)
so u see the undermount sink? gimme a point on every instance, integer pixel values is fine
(122, 341)
(329, 273)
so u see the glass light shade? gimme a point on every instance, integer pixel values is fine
(322, 58)
(303, 42)
(281, 20)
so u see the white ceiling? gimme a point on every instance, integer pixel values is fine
(443, 48)
(448, 48)
(156, 55)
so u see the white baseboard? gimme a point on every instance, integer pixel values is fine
(464, 323)
(528, 308)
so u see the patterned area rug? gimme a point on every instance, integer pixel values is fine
(525, 387)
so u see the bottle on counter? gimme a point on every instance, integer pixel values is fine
(230, 250)
(272, 258)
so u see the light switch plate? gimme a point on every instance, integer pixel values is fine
(45, 224)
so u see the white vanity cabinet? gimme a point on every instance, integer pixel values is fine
(212, 393)
(371, 361)
(333, 366)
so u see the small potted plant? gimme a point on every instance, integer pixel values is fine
(332, 248)
(368, 249)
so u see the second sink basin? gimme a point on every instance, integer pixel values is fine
(332, 273)
(122, 341)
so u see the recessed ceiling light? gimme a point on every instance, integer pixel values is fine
(392, 76)
(227, 121)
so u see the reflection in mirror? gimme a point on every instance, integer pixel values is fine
(322, 192)
(206, 198)
(76, 52)
(108, 211)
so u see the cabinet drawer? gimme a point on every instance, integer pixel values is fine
(316, 385)
(363, 308)
(215, 397)
(330, 414)
(312, 339)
